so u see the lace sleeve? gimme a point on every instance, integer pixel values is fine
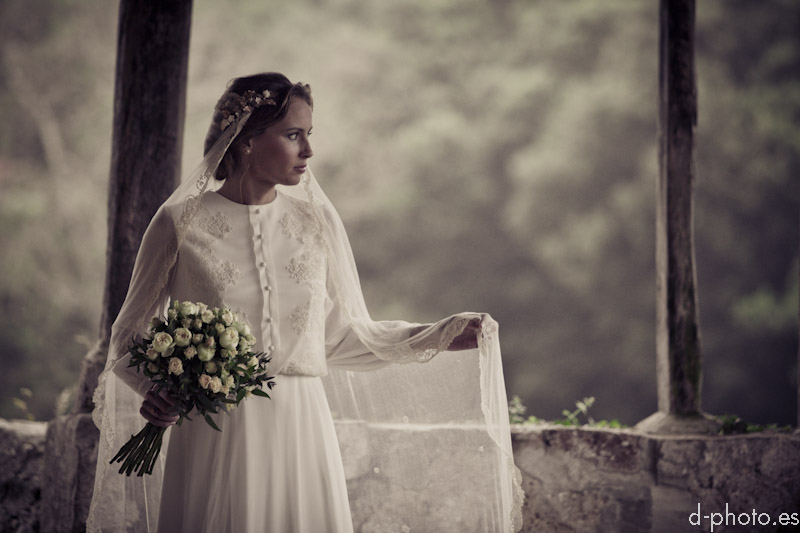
(343, 348)
(137, 310)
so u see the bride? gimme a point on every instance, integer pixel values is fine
(412, 448)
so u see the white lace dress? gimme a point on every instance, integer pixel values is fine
(276, 465)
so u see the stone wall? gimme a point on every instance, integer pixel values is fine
(575, 479)
(579, 480)
(21, 459)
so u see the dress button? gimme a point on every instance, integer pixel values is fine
(271, 347)
(261, 264)
(258, 211)
(268, 320)
(267, 288)
(258, 237)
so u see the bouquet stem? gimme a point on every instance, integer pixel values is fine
(141, 451)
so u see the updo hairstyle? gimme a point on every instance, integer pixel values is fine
(281, 90)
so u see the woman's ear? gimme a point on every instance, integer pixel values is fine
(247, 147)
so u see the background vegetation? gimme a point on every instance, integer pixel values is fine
(486, 155)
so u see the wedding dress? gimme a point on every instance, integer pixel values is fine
(355, 434)
(276, 463)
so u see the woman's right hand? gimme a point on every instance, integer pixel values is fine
(159, 408)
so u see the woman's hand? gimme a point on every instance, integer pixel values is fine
(468, 339)
(159, 408)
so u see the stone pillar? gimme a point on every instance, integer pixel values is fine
(679, 361)
(149, 105)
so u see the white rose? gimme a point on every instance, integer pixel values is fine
(211, 367)
(225, 390)
(229, 338)
(253, 362)
(197, 338)
(171, 314)
(205, 352)
(242, 328)
(186, 323)
(153, 368)
(201, 307)
(227, 354)
(197, 323)
(162, 342)
(229, 381)
(187, 308)
(151, 354)
(227, 317)
(175, 366)
(220, 327)
(204, 380)
(189, 352)
(182, 337)
(242, 346)
(215, 384)
(207, 316)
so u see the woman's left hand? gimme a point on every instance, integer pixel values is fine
(468, 339)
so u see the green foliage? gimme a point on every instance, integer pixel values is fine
(21, 403)
(734, 425)
(579, 417)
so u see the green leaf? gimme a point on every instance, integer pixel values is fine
(211, 423)
(259, 392)
(204, 401)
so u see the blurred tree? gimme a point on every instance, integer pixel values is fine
(53, 173)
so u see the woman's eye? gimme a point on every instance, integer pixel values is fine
(293, 136)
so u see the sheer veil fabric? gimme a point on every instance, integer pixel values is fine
(426, 447)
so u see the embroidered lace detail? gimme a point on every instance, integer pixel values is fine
(422, 351)
(210, 272)
(302, 224)
(216, 225)
(309, 267)
(299, 318)
(306, 321)
(306, 268)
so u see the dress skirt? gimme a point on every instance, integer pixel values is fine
(275, 467)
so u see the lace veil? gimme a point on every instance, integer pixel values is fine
(426, 447)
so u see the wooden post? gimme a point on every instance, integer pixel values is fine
(149, 103)
(679, 360)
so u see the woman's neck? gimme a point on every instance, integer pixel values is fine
(242, 192)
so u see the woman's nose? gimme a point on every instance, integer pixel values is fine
(307, 152)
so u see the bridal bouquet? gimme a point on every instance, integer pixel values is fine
(202, 357)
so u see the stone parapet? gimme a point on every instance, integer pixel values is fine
(586, 480)
(21, 460)
(575, 479)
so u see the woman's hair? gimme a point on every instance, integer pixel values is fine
(281, 90)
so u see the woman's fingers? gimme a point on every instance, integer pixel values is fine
(158, 410)
(162, 400)
(157, 417)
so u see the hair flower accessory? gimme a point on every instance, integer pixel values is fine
(245, 103)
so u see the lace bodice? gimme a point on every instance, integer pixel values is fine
(267, 263)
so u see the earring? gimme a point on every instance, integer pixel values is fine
(247, 151)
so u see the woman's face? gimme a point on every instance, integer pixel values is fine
(279, 155)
